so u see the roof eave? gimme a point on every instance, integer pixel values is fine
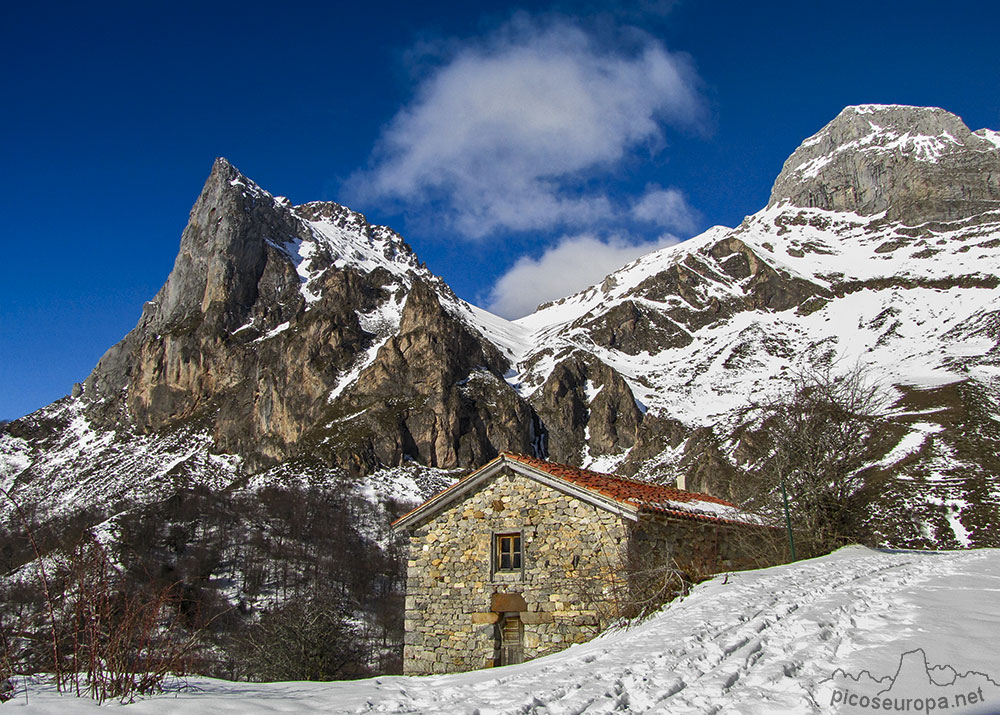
(440, 500)
(629, 511)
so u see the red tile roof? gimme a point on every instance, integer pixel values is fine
(636, 495)
(644, 496)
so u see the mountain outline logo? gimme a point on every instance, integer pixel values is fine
(915, 687)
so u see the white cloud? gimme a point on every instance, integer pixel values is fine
(666, 208)
(504, 135)
(573, 264)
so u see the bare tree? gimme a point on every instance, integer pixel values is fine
(806, 453)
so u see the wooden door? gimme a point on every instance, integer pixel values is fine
(511, 637)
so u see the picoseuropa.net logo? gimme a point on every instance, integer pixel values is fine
(916, 687)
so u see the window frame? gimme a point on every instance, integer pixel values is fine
(495, 552)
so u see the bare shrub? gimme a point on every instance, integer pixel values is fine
(121, 643)
(631, 582)
(311, 639)
(44, 580)
(652, 583)
(107, 639)
(7, 667)
(816, 443)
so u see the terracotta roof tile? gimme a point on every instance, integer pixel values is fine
(641, 496)
(645, 496)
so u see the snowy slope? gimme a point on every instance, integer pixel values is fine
(902, 280)
(885, 228)
(761, 642)
(90, 467)
(880, 247)
(925, 334)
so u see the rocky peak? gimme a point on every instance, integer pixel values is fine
(915, 164)
(223, 250)
(351, 239)
(277, 318)
(228, 253)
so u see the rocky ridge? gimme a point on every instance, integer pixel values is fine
(880, 247)
(297, 342)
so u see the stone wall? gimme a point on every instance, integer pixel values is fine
(583, 567)
(571, 552)
(698, 548)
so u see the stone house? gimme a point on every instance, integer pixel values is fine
(524, 557)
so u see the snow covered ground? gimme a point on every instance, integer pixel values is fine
(913, 631)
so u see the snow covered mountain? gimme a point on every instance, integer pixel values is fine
(880, 246)
(296, 342)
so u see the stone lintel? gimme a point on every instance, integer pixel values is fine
(503, 602)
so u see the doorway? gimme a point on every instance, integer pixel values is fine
(511, 639)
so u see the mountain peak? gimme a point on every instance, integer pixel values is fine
(915, 164)
(224, 178)
(883, 124)
(222, 164)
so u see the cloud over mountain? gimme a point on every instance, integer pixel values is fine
(506, 132)
(666, 208)
(574, 263)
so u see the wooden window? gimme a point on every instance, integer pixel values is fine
(508, 552)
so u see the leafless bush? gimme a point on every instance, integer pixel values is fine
(630, 583)
(121, 643)
(815, 445)
(651, 585)
(7, 668)
(44, 580)
(312, 639)
(107, 639)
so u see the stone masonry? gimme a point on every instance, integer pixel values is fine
(571, 578)
(451, 584)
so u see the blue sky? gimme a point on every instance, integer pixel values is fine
(502, 140)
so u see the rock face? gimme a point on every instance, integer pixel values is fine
(262, 319)
(586, 405)
(196, 343)
(434, 394)
(301, 340)
(916, 164)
